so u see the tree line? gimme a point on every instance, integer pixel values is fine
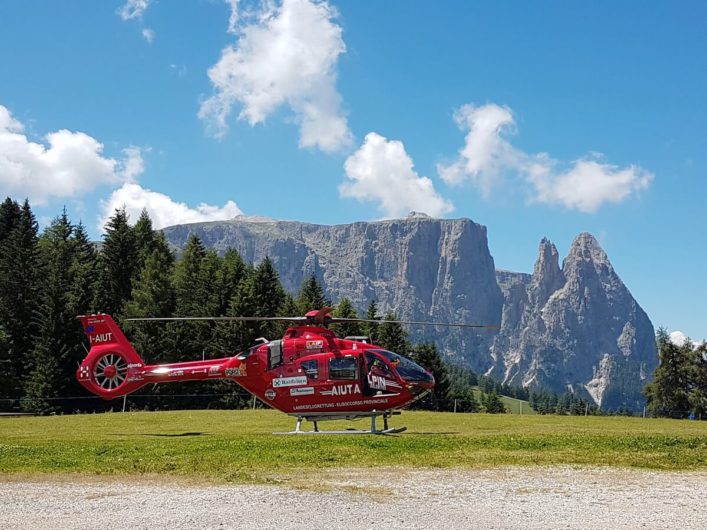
(47, 279)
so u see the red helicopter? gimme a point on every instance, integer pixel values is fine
(309, 373)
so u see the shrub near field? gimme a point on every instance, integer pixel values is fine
(238, 446)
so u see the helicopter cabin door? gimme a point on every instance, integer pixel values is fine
(378, 378)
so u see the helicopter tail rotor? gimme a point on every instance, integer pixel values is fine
(110, 369)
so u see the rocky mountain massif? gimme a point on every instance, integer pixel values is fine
(574, 327)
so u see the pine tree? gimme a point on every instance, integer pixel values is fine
(698, 393)
(153, 296)
(118, 264)
(371, 328)
(493, 404)
(51, 371)
(345, 309)
(426, 355)
(311, 296)
(230, 276)
(191, 298)
(465, 400)
(19, 293)
(669, 393)
(392, 336)
(9, 217)
(84, 274)
(261, 295)
(145, 238)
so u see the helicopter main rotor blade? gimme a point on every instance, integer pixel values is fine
(334, 320)
(241, 319)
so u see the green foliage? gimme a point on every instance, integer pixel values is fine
(679, 385)
(119, 264)
(311, 296)
(20, 288)
(493, 404)
(426, 355)
(345, 309)
(370, 329)
(392, 336)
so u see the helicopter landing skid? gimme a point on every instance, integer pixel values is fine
(374, 430)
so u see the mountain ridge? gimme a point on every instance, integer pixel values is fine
(574, 327)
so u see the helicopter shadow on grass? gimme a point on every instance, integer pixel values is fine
(436, 433)
(164, 435)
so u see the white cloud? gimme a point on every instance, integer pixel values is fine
(148, 34)
(68, 165)
(486, 154)
(133, 9)
(488, 158)
(679, 338)
(588, 184)
(162, 209)
(382, 171)
(284, 55)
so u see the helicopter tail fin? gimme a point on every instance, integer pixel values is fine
(112, 367)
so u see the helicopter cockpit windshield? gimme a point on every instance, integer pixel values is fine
(408, 370)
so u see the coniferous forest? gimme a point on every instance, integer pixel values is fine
(48, 278)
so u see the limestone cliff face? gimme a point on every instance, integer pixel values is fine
(572, 327)
(576, 328)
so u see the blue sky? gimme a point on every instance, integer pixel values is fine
(540, 119)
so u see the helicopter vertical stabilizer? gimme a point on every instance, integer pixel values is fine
(112, 364)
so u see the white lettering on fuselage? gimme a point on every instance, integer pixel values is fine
(343, 390)
(376, 381)
(101, 337)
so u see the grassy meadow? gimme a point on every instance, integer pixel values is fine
(238, 446)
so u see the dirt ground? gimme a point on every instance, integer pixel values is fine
(527, 498)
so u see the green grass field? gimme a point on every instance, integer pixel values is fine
(238, 446)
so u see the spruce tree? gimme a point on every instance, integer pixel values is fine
(9, 217)
(698, 392)
(19, 295)
(392, 336)
(311, 296)
(51, 371)
(145, 238)
(153, 296)
(232, 272)
(493, 404)
(371, 328)
(426, 355)
(669, 393)
(118, 264)
(345, 309)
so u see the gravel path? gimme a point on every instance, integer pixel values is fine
(527, 498)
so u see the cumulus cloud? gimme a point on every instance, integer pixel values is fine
(163, 210)
(133, 9)
(679, 339)
(488, 158)
(285, 55)
(68, 164)
(382, 171)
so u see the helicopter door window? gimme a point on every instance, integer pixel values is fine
(311, 369)
(343, 368)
